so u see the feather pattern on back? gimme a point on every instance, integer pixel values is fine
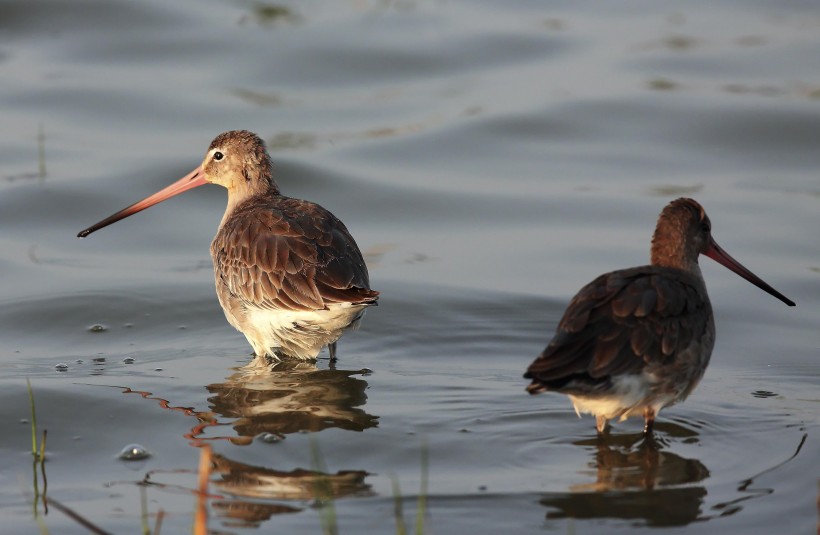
(279, 253)
(630, 321)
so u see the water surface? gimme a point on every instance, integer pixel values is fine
(490, 159)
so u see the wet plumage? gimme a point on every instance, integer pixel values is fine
(636, 340)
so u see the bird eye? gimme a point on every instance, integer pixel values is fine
(706, 226)
(218, 156)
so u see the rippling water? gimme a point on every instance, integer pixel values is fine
(490, 158)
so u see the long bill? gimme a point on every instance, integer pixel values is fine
(716, 253)
(191, 180)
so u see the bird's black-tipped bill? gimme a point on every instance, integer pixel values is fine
(191, 180)
(716, 253)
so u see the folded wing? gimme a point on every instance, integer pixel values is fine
(621, 323)
(290, 255)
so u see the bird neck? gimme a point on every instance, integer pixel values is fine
(239, 195)
(670, 250)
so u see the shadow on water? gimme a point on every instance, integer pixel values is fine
(636, 479)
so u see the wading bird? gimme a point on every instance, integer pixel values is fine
(288, 273)
(637, 340)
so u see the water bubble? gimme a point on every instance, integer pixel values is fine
(129, 360)
(128, 325)
(79, 361)
(61, 367)
(134, 452)
(157, 369)
(271, 438)
(24, 420)
(97, 328)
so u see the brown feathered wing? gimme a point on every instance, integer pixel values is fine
(621, 323)
(289, 254)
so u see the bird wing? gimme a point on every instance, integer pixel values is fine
(289, 254)
(620, 323)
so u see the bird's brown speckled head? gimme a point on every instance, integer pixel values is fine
(238, 161)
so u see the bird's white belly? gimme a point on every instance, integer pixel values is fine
(629, 395)
(301, 334)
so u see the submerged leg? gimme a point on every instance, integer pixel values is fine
(331, 348)
(601, 424)
(649, 420)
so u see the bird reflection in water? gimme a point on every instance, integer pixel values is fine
(290, 397)
(256, 483)
(635, 479)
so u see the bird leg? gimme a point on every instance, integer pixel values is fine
(601, 424)
(331, 348)
(649, 420)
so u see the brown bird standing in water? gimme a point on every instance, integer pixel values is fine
(636, 340)
(288, 273)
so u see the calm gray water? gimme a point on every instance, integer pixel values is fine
(490, 158)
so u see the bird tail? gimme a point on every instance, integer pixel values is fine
(536, 387)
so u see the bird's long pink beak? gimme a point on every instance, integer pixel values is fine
(191, 180)
(716, 253)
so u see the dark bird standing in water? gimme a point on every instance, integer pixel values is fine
(637, 340)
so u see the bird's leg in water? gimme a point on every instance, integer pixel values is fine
(649, 420)
(602, 424)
